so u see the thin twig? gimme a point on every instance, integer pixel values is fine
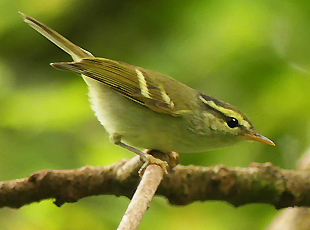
(140, 201)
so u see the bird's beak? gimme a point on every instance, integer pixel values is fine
(259, 138)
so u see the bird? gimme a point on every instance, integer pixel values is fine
(142, 108)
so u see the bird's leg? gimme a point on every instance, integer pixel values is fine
(146, 157)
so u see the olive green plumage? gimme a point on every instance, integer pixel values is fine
(147, 109)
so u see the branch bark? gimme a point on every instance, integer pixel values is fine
(297, 218)
(259, 183)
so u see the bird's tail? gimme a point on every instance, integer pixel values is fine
(75, 51)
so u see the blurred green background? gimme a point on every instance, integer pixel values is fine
(252, 54)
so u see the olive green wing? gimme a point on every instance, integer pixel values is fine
(135, 83)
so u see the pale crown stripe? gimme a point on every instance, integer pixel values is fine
(216, 107)
(227, 112)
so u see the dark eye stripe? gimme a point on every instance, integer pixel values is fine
(216, 106)
(212, 110)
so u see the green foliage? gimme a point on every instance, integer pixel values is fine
(252, 54)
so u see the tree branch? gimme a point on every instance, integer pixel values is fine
(297, 218)
(259, 183)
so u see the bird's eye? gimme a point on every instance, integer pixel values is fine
(232, 122)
